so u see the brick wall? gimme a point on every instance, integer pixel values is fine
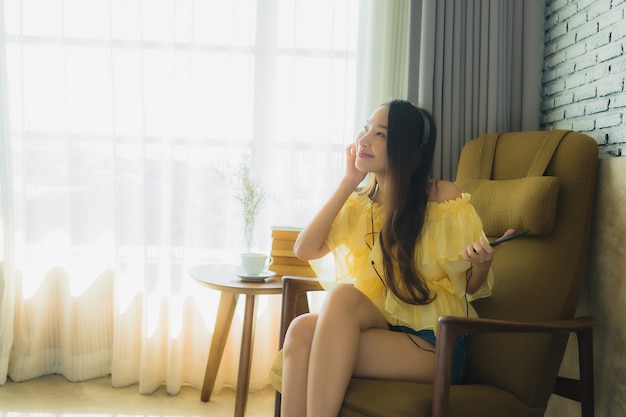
(585, 70)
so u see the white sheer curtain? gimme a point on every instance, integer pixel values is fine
(7, 288)
(479, 70)
(383, 54)
(118, 119)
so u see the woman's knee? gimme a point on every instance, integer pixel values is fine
(346, 297)
(300, 333)
(348, 302)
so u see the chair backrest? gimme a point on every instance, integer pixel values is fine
(538, 276)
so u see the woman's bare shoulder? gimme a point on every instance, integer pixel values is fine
(443, 191)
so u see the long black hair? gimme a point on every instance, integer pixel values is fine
(411, 137)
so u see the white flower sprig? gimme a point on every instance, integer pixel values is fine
(249, 192)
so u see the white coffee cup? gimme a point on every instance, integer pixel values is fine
(254, 264)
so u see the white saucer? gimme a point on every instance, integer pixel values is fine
(255, 278)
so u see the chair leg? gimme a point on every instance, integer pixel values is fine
(582, 389)
(585, 358)
(277, 404)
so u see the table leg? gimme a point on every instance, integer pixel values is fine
(225, 313)
(245, 356)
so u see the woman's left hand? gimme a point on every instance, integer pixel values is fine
(480, 253)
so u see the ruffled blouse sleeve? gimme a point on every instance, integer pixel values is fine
(348, 234)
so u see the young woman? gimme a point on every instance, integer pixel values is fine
(414, 247)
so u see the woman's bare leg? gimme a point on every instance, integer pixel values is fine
(314, 382)
(296, 352)
(346, 313)
(384, 354)
(351, 338)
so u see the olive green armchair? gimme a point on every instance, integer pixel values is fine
(541, 181)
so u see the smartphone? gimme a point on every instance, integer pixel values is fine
(511, 237)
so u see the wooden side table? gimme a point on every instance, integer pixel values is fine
(222, 278)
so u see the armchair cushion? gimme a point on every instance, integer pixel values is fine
(363, 398)
(276, 372)
(523, 203)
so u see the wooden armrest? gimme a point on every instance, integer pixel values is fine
(450, 328)
(464, 325)
(294, 300)
(298, 285)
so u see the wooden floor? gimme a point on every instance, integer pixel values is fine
(54, 396)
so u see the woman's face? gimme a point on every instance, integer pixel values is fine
(371, 144)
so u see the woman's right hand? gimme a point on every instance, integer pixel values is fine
(311, 242)
(352, 173)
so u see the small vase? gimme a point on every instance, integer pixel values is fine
(249, 235)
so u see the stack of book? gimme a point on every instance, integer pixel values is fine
(285, 261)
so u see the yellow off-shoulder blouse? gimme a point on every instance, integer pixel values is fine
(449, 227)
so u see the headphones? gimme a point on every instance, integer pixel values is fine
(419, 155)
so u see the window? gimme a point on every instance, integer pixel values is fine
(124, 113)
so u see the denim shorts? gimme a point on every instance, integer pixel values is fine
(458, 357)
